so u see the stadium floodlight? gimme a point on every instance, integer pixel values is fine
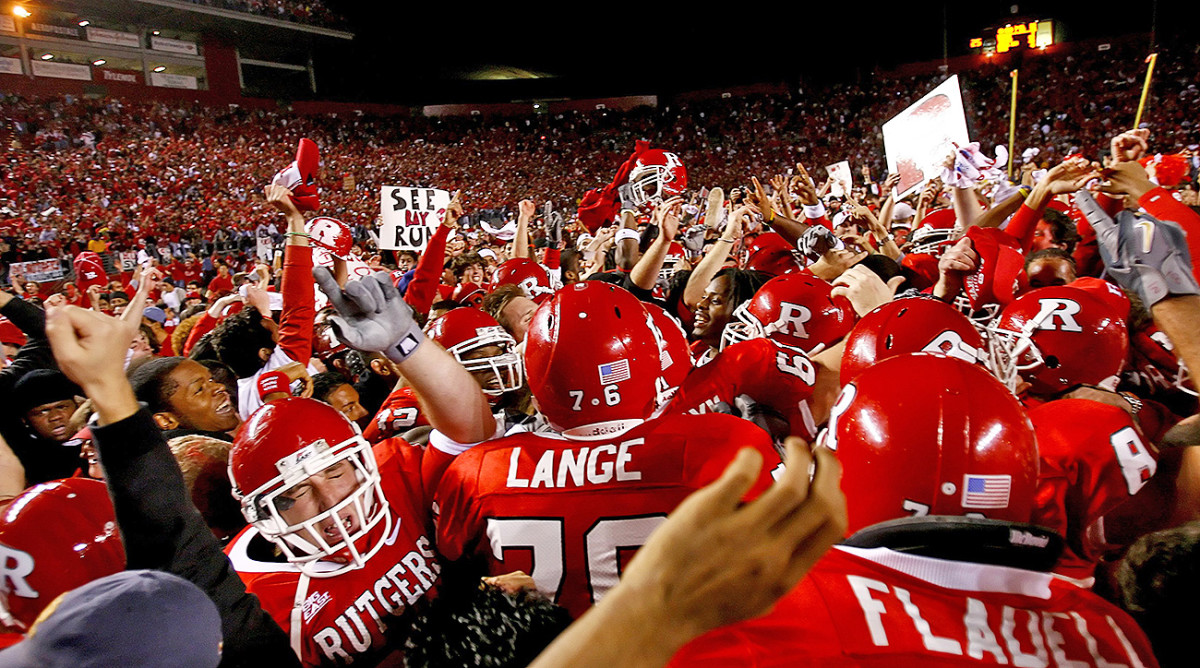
(99, 62)
(83, 23)
(160, 68)
(20, 11)
(47, 56)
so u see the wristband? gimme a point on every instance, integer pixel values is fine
(406, 346)
(728, 241)
(297, 234)
(626, 233)
(814, 210)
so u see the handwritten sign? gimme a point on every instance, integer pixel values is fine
(409, 216)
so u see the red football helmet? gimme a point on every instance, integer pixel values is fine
(527, 274)
(911, 326)
(594, 362)
(462, 331)
(468, 294)
(796, 310)
(331, 234)
(282, 445)
(675, 355)
(55, 537)
(949, 440)
(1057, 337)
(301, 176)
(936, 233)
(771, 254)
(657, 175)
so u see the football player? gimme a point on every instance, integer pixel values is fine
(574, 506)
(941, 568)
(338, 547)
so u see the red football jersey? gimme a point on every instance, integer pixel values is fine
(571, 513)
(1092, 458)
(344, 618)
(400, 412)
(879, 607)
(770, 374)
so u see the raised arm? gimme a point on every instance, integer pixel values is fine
(712, 261)
(160, 527)
(520, 243)
(373, 317)
(299, 308)
(666, 217)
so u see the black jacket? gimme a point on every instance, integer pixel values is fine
(162, 530)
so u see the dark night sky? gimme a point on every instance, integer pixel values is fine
(413, 53)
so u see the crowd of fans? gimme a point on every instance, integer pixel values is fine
(620, 317)
(312, 12)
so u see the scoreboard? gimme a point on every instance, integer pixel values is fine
(1015, 37)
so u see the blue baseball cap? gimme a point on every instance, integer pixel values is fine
(131, 618)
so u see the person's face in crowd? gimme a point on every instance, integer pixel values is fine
(449, 278)
(193, 287)
(714, 311)
(473, 274)
(191, 257)
(346, 400)
(317, 494)
(32, 287)
(140, 347)
(456, 245)
(10, 349)
(199, 402)
(50, 420)
(516, 316)
(1043, 237)
(104, 304)
(118, 304)
(1049, 271)
(901, 235)
(405, 262)
(223, 270)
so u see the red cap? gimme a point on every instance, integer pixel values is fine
(10, 333)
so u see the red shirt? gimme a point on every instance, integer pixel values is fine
(768, 373)
(221, 286)
(870, 608)
(571, 513)
(400, 412)
(343, 618)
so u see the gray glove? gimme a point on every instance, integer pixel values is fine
(1142, 254)
(554, 225)
(372, 316)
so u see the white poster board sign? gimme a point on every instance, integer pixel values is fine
(918, 140)
(842, 178)
(409, 216)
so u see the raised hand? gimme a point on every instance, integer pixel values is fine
(454, 211)
(666, 216)
(865, 289)
(372, 316)
(803, 187)
(527, 208)
(1130, 146)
